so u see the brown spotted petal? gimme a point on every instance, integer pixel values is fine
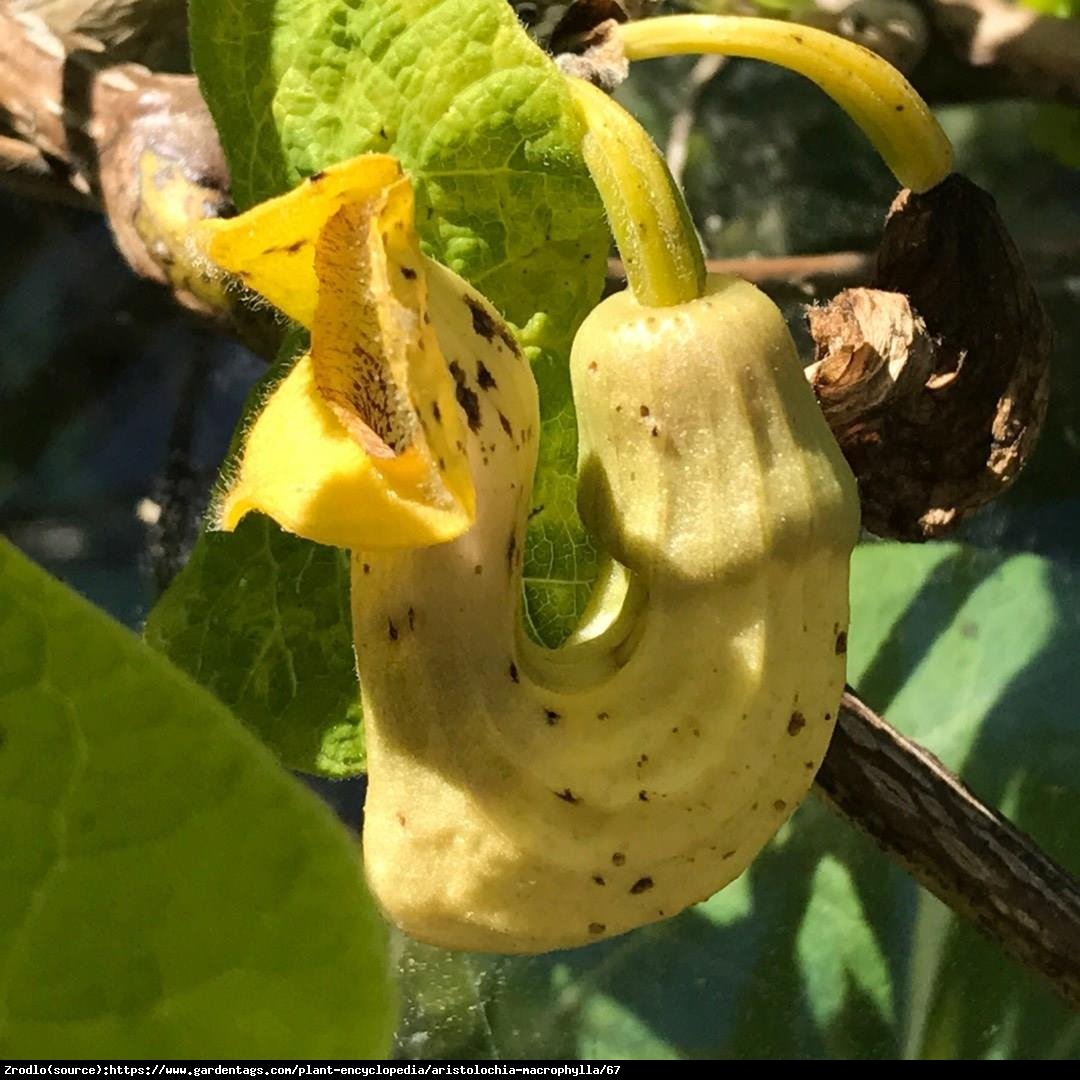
(345, 449)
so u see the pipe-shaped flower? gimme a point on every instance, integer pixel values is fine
(523, 799)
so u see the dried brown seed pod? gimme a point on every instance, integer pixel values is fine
(936, 395)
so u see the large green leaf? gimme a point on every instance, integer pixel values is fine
(168, 891)
(483, 123)
(824, 948)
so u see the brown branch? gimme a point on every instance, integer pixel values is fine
(961, 850)
(32, 105)
(25, 170)
(86, 130)
(811, 273)
(139, 145)
(153, 32)
(828, 273)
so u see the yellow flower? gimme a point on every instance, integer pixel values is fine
(362, 443)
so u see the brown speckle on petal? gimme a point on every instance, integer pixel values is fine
(484, 378)
(466, 397)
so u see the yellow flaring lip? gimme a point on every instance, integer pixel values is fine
(342, 451)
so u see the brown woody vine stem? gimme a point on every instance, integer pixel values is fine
(954, 845)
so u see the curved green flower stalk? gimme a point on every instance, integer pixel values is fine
(646, 211)
(872, 92)
(523, 799)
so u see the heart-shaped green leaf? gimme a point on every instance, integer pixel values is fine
(168, 890)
